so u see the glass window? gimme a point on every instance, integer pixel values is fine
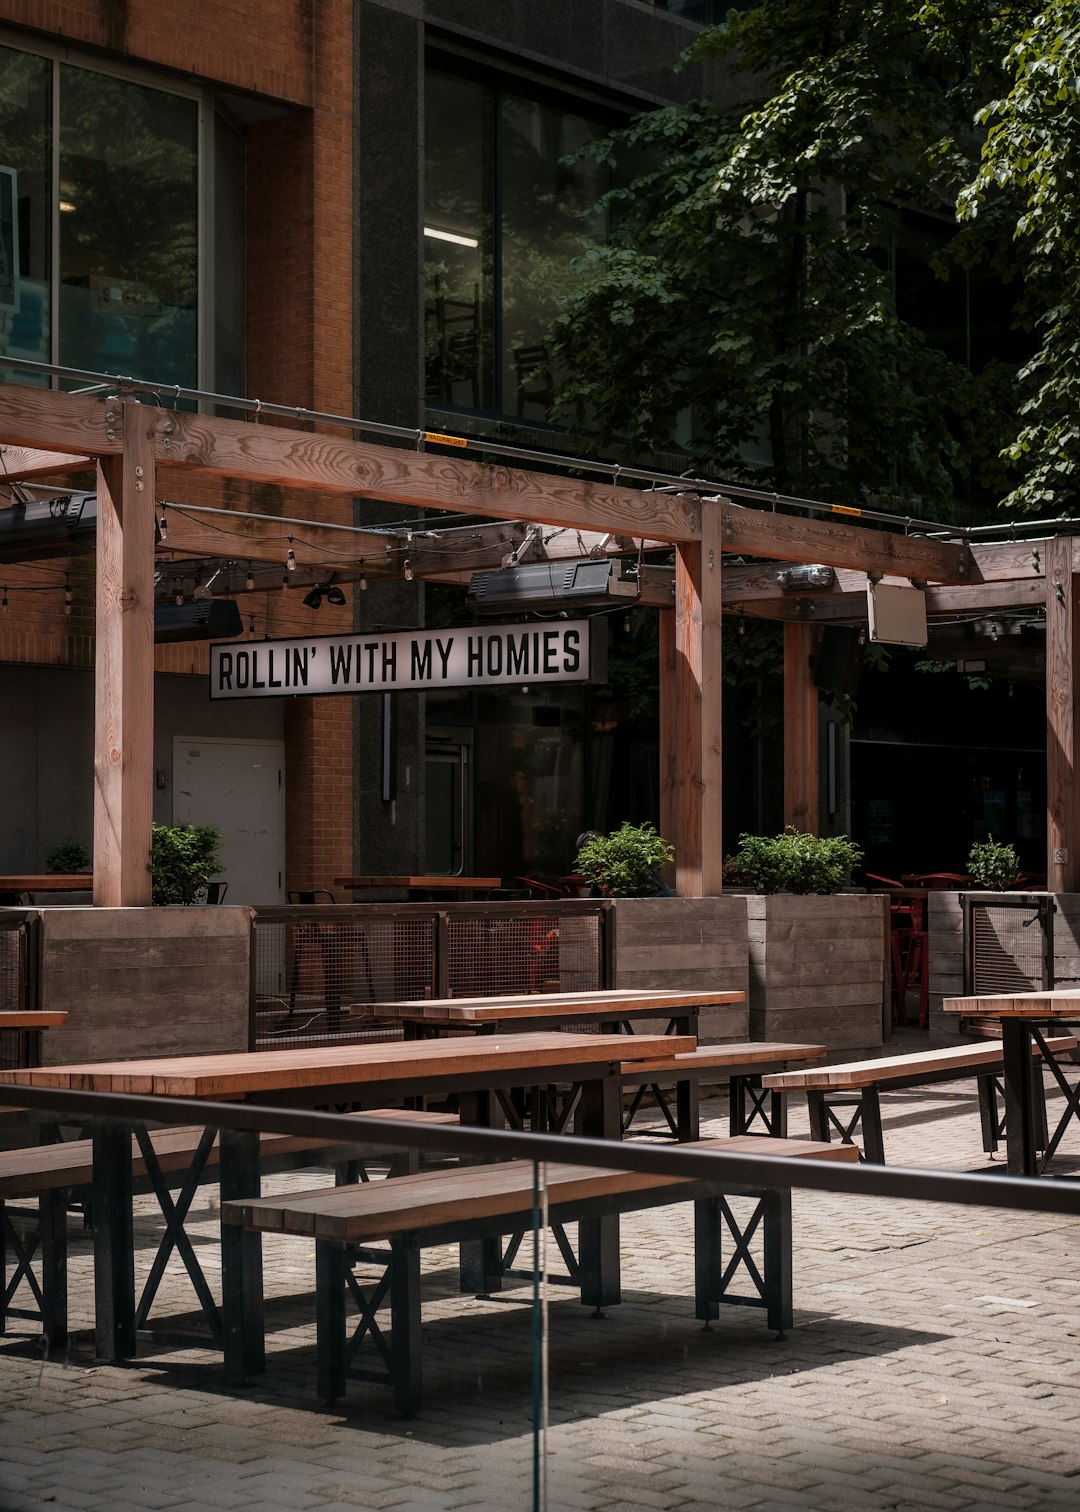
(458, 242)
(26, 208)
(507, 209)
(101, 202)
(129, 228)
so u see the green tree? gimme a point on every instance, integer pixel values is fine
(1030, 174)
(747, 280)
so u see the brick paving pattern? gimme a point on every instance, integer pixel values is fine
(932, 1365)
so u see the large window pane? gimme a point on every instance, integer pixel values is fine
(128, 228)
(458, 253)
(25, 206)
(547, 221)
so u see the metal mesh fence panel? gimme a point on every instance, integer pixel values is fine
(318, 968)
(1009, 946)
(12, 989)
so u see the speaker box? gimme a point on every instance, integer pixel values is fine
(838, 660)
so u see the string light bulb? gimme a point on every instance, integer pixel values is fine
(407, 571)
(249, 581)
(178, 592)
(4, 600)
(67, 593)
(363, 580)
(163, 526)
(290, 560)
(251, 627)
(284, 582)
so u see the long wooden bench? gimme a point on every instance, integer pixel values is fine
(52, 1172)
(856, 1086)
(480, 1202)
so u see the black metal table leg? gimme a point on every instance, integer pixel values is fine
(241, 1260)
(1020, 1127)
(114, 1243)
(54, 1293)
(598, 1238)
(480, 1260)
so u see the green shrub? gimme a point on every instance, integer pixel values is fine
(994, 867)
(628, 863)
(69, 856)
(183, 858)
(792, 862)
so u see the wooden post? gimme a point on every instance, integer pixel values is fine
(668, 715)
(1062, 837)
(800, 729)
(124, 686)
(690, 724)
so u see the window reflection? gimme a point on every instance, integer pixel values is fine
(508, 208)
(26, 155)
(128, 227)
(458, 242)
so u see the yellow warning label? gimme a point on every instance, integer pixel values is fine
(441, 440)
(848, 509)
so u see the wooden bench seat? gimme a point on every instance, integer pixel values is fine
(50, 1172)
(466, 1203)
(856, 1085)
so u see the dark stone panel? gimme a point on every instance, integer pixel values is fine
(388, 195)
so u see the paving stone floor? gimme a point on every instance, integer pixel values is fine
(934, 1364)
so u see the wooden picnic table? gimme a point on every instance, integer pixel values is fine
(1021, 1016)
(607, 1006)
(476, 1068)
(27, 1025)
(419, 884)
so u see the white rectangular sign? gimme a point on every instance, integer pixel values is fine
(405, 661)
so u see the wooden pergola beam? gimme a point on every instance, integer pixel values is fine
(800, 730)
(830, 607)
(790, 538)
(1062, 787)
(22, 463)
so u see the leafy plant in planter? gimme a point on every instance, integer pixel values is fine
(69, 856)
(628, 863)
(994, 867)
(792, 862)
(183, 858)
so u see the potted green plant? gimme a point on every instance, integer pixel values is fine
(183, 858)
(628, 863)
(817, 958)
(69, 856)
(992, 866)
(793, 862)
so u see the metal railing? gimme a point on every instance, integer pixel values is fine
(318, 968)
(16, 986)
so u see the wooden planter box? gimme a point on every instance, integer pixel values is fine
(684, 943)
(817, 970)
(144, 981)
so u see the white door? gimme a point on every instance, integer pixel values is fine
(239, 785)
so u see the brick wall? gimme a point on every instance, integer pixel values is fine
(299, 321)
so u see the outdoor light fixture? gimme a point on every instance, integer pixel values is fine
(290, 560)
(803, 578)
(203, 589)
(249, 581)
(362, 585)
(330, 591)
(544, 585)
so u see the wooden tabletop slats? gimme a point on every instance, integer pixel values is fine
(380, 1210)
(434, 884)
(602, 1004)
(1029, 1005)
(33, 1018)
(729, 1057)
(247, 1072)
(48, 882)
